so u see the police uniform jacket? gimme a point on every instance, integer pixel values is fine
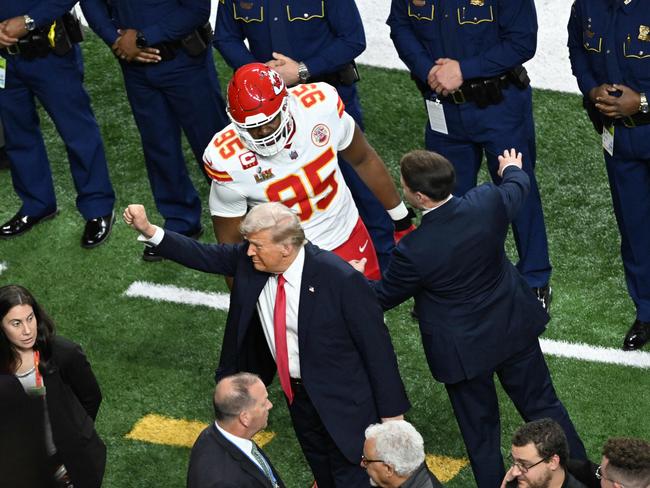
(609, 42)
(160, 21)
(42, 11)
(487, 37)
(324, 35)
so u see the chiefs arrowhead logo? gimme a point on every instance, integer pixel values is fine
(277, 82)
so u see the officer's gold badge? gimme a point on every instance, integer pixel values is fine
(477, 3)
(644, 33)
(419, 3)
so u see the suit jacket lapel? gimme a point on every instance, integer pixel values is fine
(308, 294)
(253, 287)
(246, 464)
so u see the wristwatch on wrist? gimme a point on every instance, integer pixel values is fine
(643, 106)
(30, 25)
(140, 40)
(303, 72)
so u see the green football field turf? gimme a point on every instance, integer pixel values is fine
(159, 357)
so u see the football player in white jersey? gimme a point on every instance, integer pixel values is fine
(282, 146)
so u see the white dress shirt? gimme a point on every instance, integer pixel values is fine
(266, 304)
(244, 445)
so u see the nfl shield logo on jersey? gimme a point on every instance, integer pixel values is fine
(320, 135)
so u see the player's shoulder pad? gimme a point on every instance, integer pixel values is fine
(318, 97)
(226, 155)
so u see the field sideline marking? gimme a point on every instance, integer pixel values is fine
(168, 431)
(175, 294)
(220, 301)
(3, 267)
(160, 429)
(586, 352)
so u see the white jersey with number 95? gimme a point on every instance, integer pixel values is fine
(305, 175)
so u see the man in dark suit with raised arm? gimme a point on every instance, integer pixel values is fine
(307, 313)
(477, 314)
(225, 454)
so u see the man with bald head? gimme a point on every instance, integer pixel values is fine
(309, 315)
(225, 454)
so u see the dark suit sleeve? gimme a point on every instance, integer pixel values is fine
(514, 189)
(365, 321)
(77, 373)
(400, 282)
(209, 258)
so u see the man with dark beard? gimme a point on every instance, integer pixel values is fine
(539, 454)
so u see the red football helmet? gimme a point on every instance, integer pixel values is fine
(256, 96)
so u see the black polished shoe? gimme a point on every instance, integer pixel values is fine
(544, 294)
(97, 230)
(19, 224)
(637, 336)
(150, 253)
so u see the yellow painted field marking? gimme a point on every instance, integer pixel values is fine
(445, 468)
(159, 429)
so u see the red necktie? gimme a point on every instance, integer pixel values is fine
(280, 331)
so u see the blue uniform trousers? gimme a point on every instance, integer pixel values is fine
(527, 381)
(182, 93)
(372, 212)
(629, 182)
(57, 83)
(474, 131)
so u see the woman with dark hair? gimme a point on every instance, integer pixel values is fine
(56, 370)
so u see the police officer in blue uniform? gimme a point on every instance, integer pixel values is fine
(171, 82)
(465, 56)
(609, 47)
(38, 46)
(309, 41)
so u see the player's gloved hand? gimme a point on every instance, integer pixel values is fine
(404, 226)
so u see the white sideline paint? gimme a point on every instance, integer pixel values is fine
(3, 266)
(585, 352)
(220, 301)
(175, 294)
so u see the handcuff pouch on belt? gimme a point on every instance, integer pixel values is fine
(56, 38)
(346, 76)
(481, 91)
(194, 44)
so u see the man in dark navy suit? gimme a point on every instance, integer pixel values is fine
(477, 314)
(308, 314)
(225, 454)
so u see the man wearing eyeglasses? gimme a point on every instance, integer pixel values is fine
(393, 456)
(539, 454)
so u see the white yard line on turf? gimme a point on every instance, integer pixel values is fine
(220, 301)
(175, 294)
(586, 352)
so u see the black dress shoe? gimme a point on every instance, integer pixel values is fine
(97, 230)
(150, 253)
(637, 336)
(19, 224)
(544, 294)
